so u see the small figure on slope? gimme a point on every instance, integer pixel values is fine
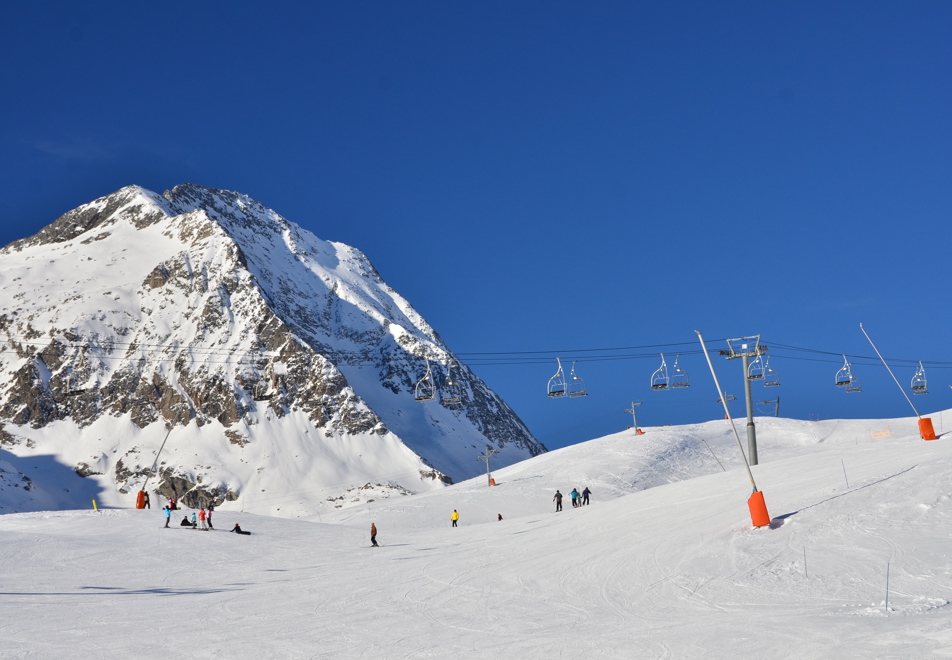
(455, 517)
(585, 494)
(208, 515)
(168, 514)
(237, 530)
(201, 518)
(373, 535)
(574, 497)
(194, 520)
(558, 500)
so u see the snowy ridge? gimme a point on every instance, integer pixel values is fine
(266, 349)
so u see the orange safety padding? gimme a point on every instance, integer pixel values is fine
(925, 428)
(639, 432)
(140, 499)
(758, 509)
(492, 482)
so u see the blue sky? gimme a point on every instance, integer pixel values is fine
(545, 178)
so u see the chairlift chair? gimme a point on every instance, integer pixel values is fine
(756, 369)
(450, 395)
(262, 390)
(846, 379)
(557, 386)
(771, 378)
(919, 384)
(577, 384)
(660, 379)
(72, 385)
(844, 376)
(425, 390)
(679, 377)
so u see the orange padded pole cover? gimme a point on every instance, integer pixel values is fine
(140, 499)
(758, 510)
(925, 428)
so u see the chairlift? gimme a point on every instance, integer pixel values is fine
(73, 386)
(846, 379)
(425, 390)
(679, 377)
(261, 390)
(756, 369)
(919, 384)
(577, 385)
(451, 394)
(771, 377)
(659, 379)
(557, 384)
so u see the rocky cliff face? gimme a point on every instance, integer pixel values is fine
(263, 350)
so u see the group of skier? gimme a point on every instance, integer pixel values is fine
(203, 517)
(578, 499)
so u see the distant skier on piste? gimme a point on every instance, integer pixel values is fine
(585, 494)
(455, 517)
(558, 500)
(168, 514)
(574, 494)
(373, 535)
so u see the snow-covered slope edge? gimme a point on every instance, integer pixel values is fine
(204, 311)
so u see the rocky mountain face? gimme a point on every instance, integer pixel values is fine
(199, 345)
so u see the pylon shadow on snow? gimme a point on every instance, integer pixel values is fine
(778, 521)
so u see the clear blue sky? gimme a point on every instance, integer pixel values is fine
(544, 177)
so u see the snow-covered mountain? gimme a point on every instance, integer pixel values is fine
(277, 369)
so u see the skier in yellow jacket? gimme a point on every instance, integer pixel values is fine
(455, 517)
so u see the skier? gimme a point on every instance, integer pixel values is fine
(208, 515)
(201, 517)
(499, 516)
(574, 497)
(146, 500)
(237, 530)
(168, 514)
(194, 520)
(373, 535)
(454, 517)
(558, 500)
(585, 494)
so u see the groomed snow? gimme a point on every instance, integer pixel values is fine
(663, 564)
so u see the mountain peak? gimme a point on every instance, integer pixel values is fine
(203, 305)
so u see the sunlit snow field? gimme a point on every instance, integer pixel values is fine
(663, 564)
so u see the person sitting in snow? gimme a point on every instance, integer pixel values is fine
(237, 529)
(185, 522)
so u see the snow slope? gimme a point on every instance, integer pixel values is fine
(663, 564)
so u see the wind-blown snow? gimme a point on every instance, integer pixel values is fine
(663, 564)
